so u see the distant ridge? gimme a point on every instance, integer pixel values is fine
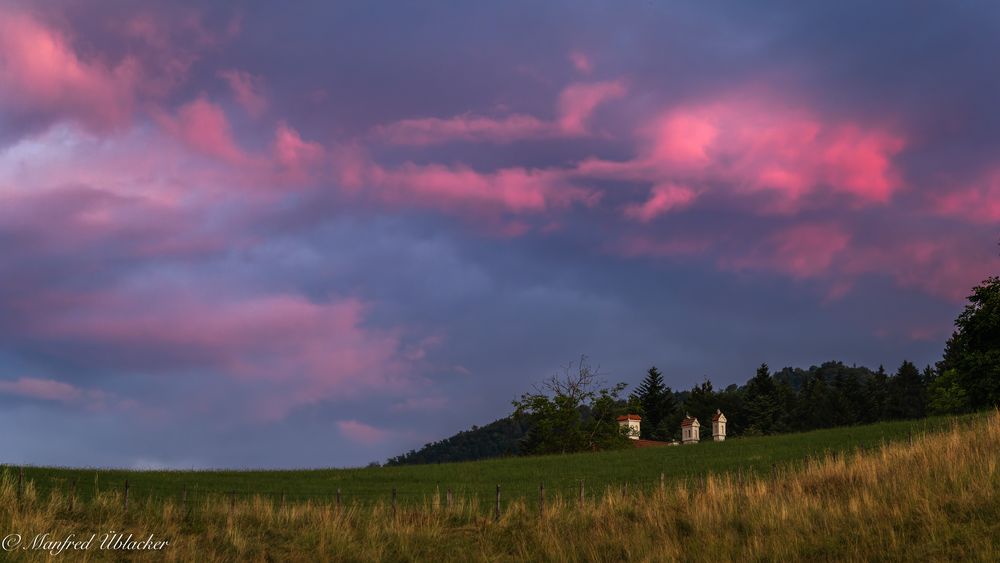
(499, 438)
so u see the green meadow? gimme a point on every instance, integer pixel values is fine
(519, 478)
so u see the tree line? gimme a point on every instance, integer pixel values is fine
(576, 410)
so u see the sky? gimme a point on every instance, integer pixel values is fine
(317, 234)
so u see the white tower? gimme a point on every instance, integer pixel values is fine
(690, 430)
(630, 422)
(718, 426)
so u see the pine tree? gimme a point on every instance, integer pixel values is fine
(657, 402)
(907, 393)
(878, 391)
(762, 402)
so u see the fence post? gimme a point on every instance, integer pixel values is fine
(184, 494)
(394, 501)
(541, 498)
(20, 483)
(232, 500)
(663, 482)
(625, 490)
(496, 512)
(448, 499)
(338, 499)
(72, 493)
(282, 499)
(581, 493)
(126, 495)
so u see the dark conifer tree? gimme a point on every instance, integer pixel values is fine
(762, 402)
(907, 393)
(657, 402)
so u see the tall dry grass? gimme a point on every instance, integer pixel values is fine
(937, 498)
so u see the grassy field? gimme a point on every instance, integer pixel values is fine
(518, 477)
(935, 497)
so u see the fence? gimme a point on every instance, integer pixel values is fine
(79, 487)
(77, 492)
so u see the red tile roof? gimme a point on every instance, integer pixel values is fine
(649, 443)
(629, 417)
(717, 416)
(689, 421)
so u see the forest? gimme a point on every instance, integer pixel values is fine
(576, 410)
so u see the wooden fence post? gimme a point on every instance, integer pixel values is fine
(338, 499)
(72, 493)
(625, 489)
(541, 498)
(496, 512)
(282, 499)
(184, 494)
(232, 500)
(394, 502)
(126, 495)
(581, 493)
(20, 483)
(774, 472)
(663, 484)
(448, 499)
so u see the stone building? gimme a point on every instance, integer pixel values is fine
(630, 422)
(718, 426)
(690, 430)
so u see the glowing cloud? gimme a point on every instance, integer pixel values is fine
(44, 79)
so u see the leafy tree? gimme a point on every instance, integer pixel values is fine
(554, 412)
(973, 351)
(945, 394)
(907, 395)
(656, 402)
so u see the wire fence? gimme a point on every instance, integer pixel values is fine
(135, 488)
(191, 488)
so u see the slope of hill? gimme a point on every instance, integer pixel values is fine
(499, 438)
(520, 477)
(933, 497)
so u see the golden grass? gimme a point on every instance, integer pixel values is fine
(937, 498)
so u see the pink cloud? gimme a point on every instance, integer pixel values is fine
(204, 127)
(248, 90)
(61, 392)
(453, 188)
(432, 130)
(309, 351)
(662, 199)
(979, 202)
(578, 101)
(758, 146)
(581, 62)
(576, 104)
(801, 251)
(42, 75)
(294, 155)
(943, 265)
(752, 146)
(361, 433)
(42, 389)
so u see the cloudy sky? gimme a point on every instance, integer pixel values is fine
(323, 233)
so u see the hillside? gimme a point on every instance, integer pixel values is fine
(846, 400)
(497, 439)
(519, 476)
(934, 496)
